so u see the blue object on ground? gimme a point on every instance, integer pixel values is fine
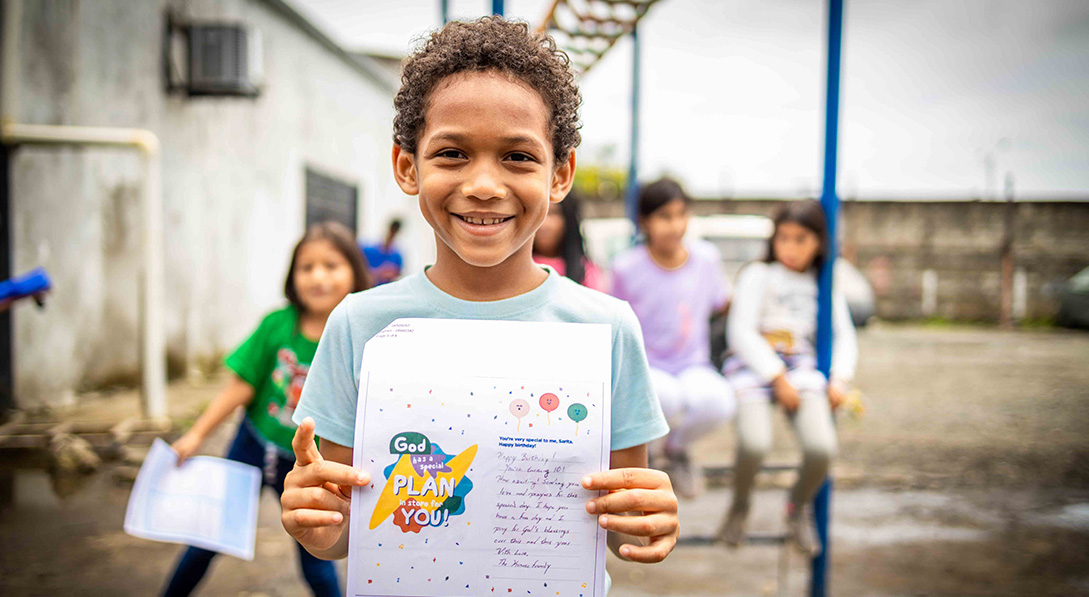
(33, 282)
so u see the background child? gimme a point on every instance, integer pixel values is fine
(771, 327)
(486, 125)
(384, 259)
(268, 373)
(675, 286)
(559, 245)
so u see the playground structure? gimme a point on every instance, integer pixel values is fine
(587, 29)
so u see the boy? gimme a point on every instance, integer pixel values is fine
(486, 125)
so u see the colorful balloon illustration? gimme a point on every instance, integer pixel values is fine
(519, 408)
(577, 412)
(549, 402)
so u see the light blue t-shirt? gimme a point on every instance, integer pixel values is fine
(331, 390)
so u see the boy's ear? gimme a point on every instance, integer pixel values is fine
(404, 170)
(563, 178)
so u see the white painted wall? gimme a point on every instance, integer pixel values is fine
(233, 184)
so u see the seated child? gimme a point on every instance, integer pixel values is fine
(675, 286)
(772, 328)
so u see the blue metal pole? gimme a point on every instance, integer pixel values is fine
(830, 203)
(445, 9)
(632, 198)
(497, 7)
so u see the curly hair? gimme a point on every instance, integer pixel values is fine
(489, 44)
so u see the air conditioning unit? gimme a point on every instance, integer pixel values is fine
(213, 58)
(223, 60)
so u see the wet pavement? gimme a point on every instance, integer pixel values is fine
(966, 476)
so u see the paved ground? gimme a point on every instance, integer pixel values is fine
(967, 475)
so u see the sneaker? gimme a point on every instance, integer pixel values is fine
(732, 530)
(801, 531)
(687, 479)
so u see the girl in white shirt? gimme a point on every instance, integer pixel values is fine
(771, 331)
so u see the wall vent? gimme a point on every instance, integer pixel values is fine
(213, 59)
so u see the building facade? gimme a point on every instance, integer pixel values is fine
(305, 136)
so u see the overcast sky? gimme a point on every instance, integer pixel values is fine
(733, 91)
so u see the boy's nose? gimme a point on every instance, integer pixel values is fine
(484, 183)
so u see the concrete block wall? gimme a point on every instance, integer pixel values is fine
(943, 258)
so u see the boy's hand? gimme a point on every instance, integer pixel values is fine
(785, 393)
(186, 445)
(641, 503)
(317, 493)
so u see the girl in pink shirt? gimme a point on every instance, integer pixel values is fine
(559, 245)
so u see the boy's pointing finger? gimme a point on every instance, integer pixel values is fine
(306, 451)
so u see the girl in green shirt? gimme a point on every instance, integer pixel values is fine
(268, 370)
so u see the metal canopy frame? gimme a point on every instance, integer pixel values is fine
(588, 29)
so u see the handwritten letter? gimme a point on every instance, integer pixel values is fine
(477, 451)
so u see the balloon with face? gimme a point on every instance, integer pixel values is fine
(549, 402)
(519, 408)
(578, 413)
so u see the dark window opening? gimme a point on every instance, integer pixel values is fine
(330, 199)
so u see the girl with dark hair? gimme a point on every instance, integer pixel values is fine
(558, 244)
(675, 285)
(268, 371)
(771, 330)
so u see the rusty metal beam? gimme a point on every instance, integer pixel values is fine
(588, 29)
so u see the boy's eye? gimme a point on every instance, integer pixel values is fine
(452, 154)
(520, 157)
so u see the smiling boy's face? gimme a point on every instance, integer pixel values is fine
(484, 169)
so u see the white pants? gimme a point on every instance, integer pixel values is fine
(694, 402)
(812, 424)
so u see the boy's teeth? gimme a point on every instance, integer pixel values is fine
(482, 221)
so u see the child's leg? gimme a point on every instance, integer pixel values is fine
(670, 395)
(754, 408)
(708, 402)
(753, 442)
(194, 563)
(816, 433)
(320, 574)
(189, 572)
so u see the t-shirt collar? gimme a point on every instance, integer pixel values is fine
(501, 309)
